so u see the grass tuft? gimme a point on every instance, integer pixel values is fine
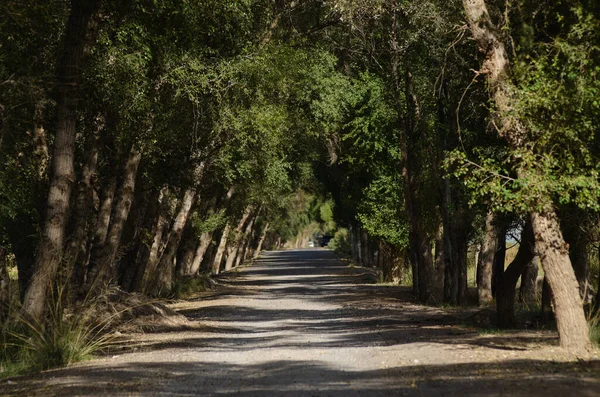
(62, 337)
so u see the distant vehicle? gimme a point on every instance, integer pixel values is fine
(325, 240)
(311, 244)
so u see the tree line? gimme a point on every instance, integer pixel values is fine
(143, 143)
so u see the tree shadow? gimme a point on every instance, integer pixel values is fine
(314, 378)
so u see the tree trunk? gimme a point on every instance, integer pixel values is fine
(439, 263)
(70, 67)
(102, 224)
(164, 272)
(135, 261)
(486, 261)
(570, 318)
(578, 244)
(528, 289)
(77, 249)
(205, 241)
(546, 311)
(104, 270)
(420, 244)
(364, 242)
(216, 265)
(186, 251)
(261, 241)
(154, 254)
(232, 250)
(507, 280)
(499, 259)
(597, 303)
(4, 286)
(568, 306)
(243, 247)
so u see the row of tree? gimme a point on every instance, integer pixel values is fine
(143, 142)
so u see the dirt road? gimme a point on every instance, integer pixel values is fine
(301, 323)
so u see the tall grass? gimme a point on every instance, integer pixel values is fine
(65, 335)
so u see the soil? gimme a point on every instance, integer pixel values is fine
(302, 323)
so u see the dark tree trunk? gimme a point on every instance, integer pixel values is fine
(104, 270)
(364, 243)
(102, 223)
(149, 253)
(578, 242)
(499, 258)
(440, 265)
(4, 286)
(507, 280)
(598, 291)
(547, 311)
(70, 67)
(77, 249)
(528, 289)
(420, 244)
(485, 264)
(186, 251)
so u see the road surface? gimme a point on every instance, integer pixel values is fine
(302, 323)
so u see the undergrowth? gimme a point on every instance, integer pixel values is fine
(188, 286)
(64, 336)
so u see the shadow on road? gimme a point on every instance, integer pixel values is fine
(308, 302)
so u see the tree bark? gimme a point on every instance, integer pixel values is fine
(570, 318)
(568, 306)
(597, 302)
(528, 289)
(104, 270)
(4, 285)
(232, 249)
(546, 311)
(439, 268)
(164, 271)
(499, 259)
(102, 223)
(578, 244)
(261, 241)
(243, 245)
(507, 280)
(486, 261)
(186, 251)
(420, 244)
(205, 241)
(216, 265)
(70, 67)
(149, 254)
(77, 249)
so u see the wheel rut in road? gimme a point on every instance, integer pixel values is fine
(303, 323)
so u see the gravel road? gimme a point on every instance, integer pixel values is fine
(302, 323)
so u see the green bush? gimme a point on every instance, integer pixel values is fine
(340, 242)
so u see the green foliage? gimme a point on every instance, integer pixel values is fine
(557, 84)
(340, 243)
(381, 211)
(188, 287)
